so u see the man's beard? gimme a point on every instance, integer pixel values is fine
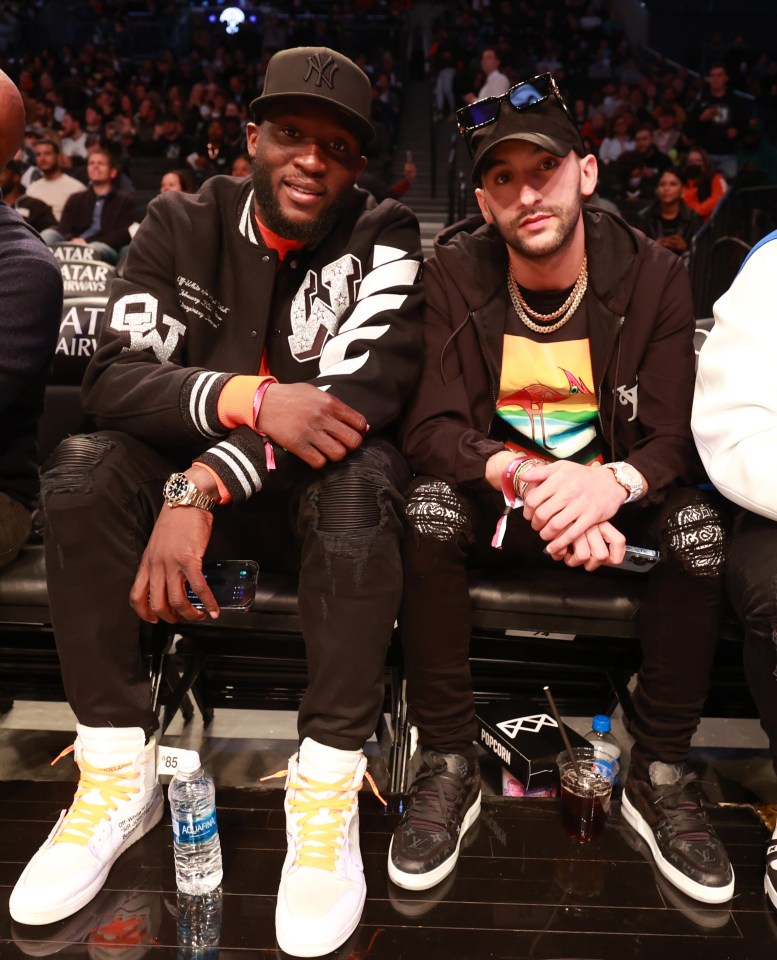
(309, 232)
(549, 246)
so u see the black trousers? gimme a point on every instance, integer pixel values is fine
(340, 527)
(678, 622)
(751, 582)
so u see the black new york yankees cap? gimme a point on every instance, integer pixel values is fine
(318, 74)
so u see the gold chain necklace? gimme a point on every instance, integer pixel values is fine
(567, 308)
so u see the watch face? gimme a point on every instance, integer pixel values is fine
(631, 476)
(176, 487)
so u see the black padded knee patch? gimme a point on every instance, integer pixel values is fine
(435, 512)
(347, 505)
(696, 538)
(70, 467)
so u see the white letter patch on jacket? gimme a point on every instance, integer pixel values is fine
(317, 307)
(136, 314)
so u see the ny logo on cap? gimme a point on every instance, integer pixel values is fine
(325, 72)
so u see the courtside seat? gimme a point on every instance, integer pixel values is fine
(530, 627)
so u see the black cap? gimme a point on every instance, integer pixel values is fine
(320, 75)
(546, 124)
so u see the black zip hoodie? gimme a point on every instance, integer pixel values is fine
(640, 325)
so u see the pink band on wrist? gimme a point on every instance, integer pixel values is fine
(257, 406)
(511, 499)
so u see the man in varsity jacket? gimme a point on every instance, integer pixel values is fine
(255, 356)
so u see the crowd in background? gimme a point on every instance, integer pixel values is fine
(657, 128)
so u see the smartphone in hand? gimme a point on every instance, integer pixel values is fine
(232, 582)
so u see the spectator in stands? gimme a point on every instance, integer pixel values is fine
(495, 82)
(99, 216)
(654, 161)
(211, 155)
(536, 395)
(756, 157)
(704, 187)
(618, 141)
(72, 136)
(170, 142)
(670, 221)
(716, 122)
(667, 135)
(445, 66)
(241, 165)
(31, 306)
(221, 282)
(389, 105)
(181, 180)
(55, 186)
(93, 121)
(234, 134)
(146, 121)
(595, 129)
(638, 170)
(37, 213)
(735, 425)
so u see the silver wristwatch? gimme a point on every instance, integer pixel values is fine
(179, 491)
(629, 478)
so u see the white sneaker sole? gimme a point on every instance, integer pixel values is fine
(38, 918)
(689, 887)
(298, 948)
(424, 881)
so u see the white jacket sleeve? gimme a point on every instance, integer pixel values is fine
(735, 404)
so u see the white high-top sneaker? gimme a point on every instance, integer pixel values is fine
(117, 801)
(322, 890)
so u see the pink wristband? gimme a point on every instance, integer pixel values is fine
(257, 406)
(511, 499)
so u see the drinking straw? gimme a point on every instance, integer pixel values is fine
(562, 730)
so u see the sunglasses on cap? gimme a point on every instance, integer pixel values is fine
(523, 96)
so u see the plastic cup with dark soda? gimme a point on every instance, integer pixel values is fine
(585, 794)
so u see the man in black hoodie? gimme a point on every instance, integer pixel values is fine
(552, 421)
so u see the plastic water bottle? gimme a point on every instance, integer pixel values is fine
(196, 843)
(199, 925)
(607, 750)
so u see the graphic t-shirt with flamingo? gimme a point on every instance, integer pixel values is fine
(547, 404)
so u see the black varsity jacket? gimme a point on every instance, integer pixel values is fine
(202, 297)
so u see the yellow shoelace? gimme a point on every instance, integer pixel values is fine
(319, 843)
(82, 817)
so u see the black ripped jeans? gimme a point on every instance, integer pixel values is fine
(340, 527)
(450, 530)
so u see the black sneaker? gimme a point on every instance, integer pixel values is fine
(443, 803)
(667, 813)
(770, 880)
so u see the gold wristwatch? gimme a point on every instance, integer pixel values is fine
(179, 491)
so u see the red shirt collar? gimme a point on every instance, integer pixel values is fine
(281, 245)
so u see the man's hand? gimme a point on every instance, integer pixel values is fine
(564, 500)
(310, 423)
(673, 242)
(174, 555)
(601, 545)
